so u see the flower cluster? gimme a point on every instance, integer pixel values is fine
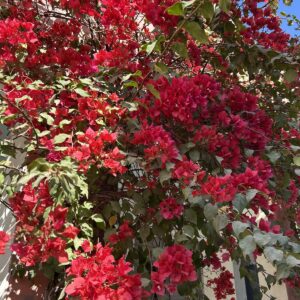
(170, 209)
(42, 238)
(174, 266)
(222, 285)
(100, 276)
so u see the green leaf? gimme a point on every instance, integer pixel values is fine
(161, 68)
(250, 194)
(240, 202)
(220, 222)
(190, 215)
(49, 119)
(239, 227)
(210, 211)
(207, 10)
(296, 160)
(164, 175)
(98, 220)
(180, 49)
(77, 243)
(188, 230)
(186, 4)
(157, 252)
(153, 91)
(272, 254)
(82, 92)
(261, 238)
(87, 229)
(195, 30)
(290, 75)
(225, 5)
(248, 245)
(273, 156)
(60, 138)
(194, 155)
(293, 261)
(176, 9)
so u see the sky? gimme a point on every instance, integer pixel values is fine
(293, 9)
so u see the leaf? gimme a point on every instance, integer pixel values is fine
(207, 10)
(3, 132)
(188, 230)
(273, 156)
(225, 5)
(295, 247)
(239, 227)
(194, 155)
(164, 175)
(190, 215)
(210, 211)
(82, 92)
(262, 239)
(220, 222)
(98, 220)
(150, 47)
(161, 68)
(186, 4)
(153, 91)
(157, 252)
(60, 138)
(293, 261)
(112, 220)
(290, 75)
(248, 245)
(240, 202)
(49, 119)
(296, 160)
(87, 229)
(282, 272)
(180, 49)
(176, 9)
(194, 29)
(77, 243)
(273, 254)
(250, 194)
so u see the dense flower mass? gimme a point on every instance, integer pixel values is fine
(145, 140)
(169, 208)
(101, 277)
(174, 266)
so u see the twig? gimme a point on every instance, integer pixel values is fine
(26, 118)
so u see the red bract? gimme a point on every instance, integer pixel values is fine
(222, 285)
(4, 238)
(148, 125)
(124, 232)
(100, 276)
(174, 266)
(170, 209)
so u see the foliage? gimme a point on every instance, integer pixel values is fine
(159, 138)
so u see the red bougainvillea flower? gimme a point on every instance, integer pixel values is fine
(174, 266)
(124, 232)
(100, 276)
(169, 208)
(4, 238)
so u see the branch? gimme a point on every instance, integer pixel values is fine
(25, 117)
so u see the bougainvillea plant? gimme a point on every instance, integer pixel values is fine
(155, 138)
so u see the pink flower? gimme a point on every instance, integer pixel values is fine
(170, 209)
